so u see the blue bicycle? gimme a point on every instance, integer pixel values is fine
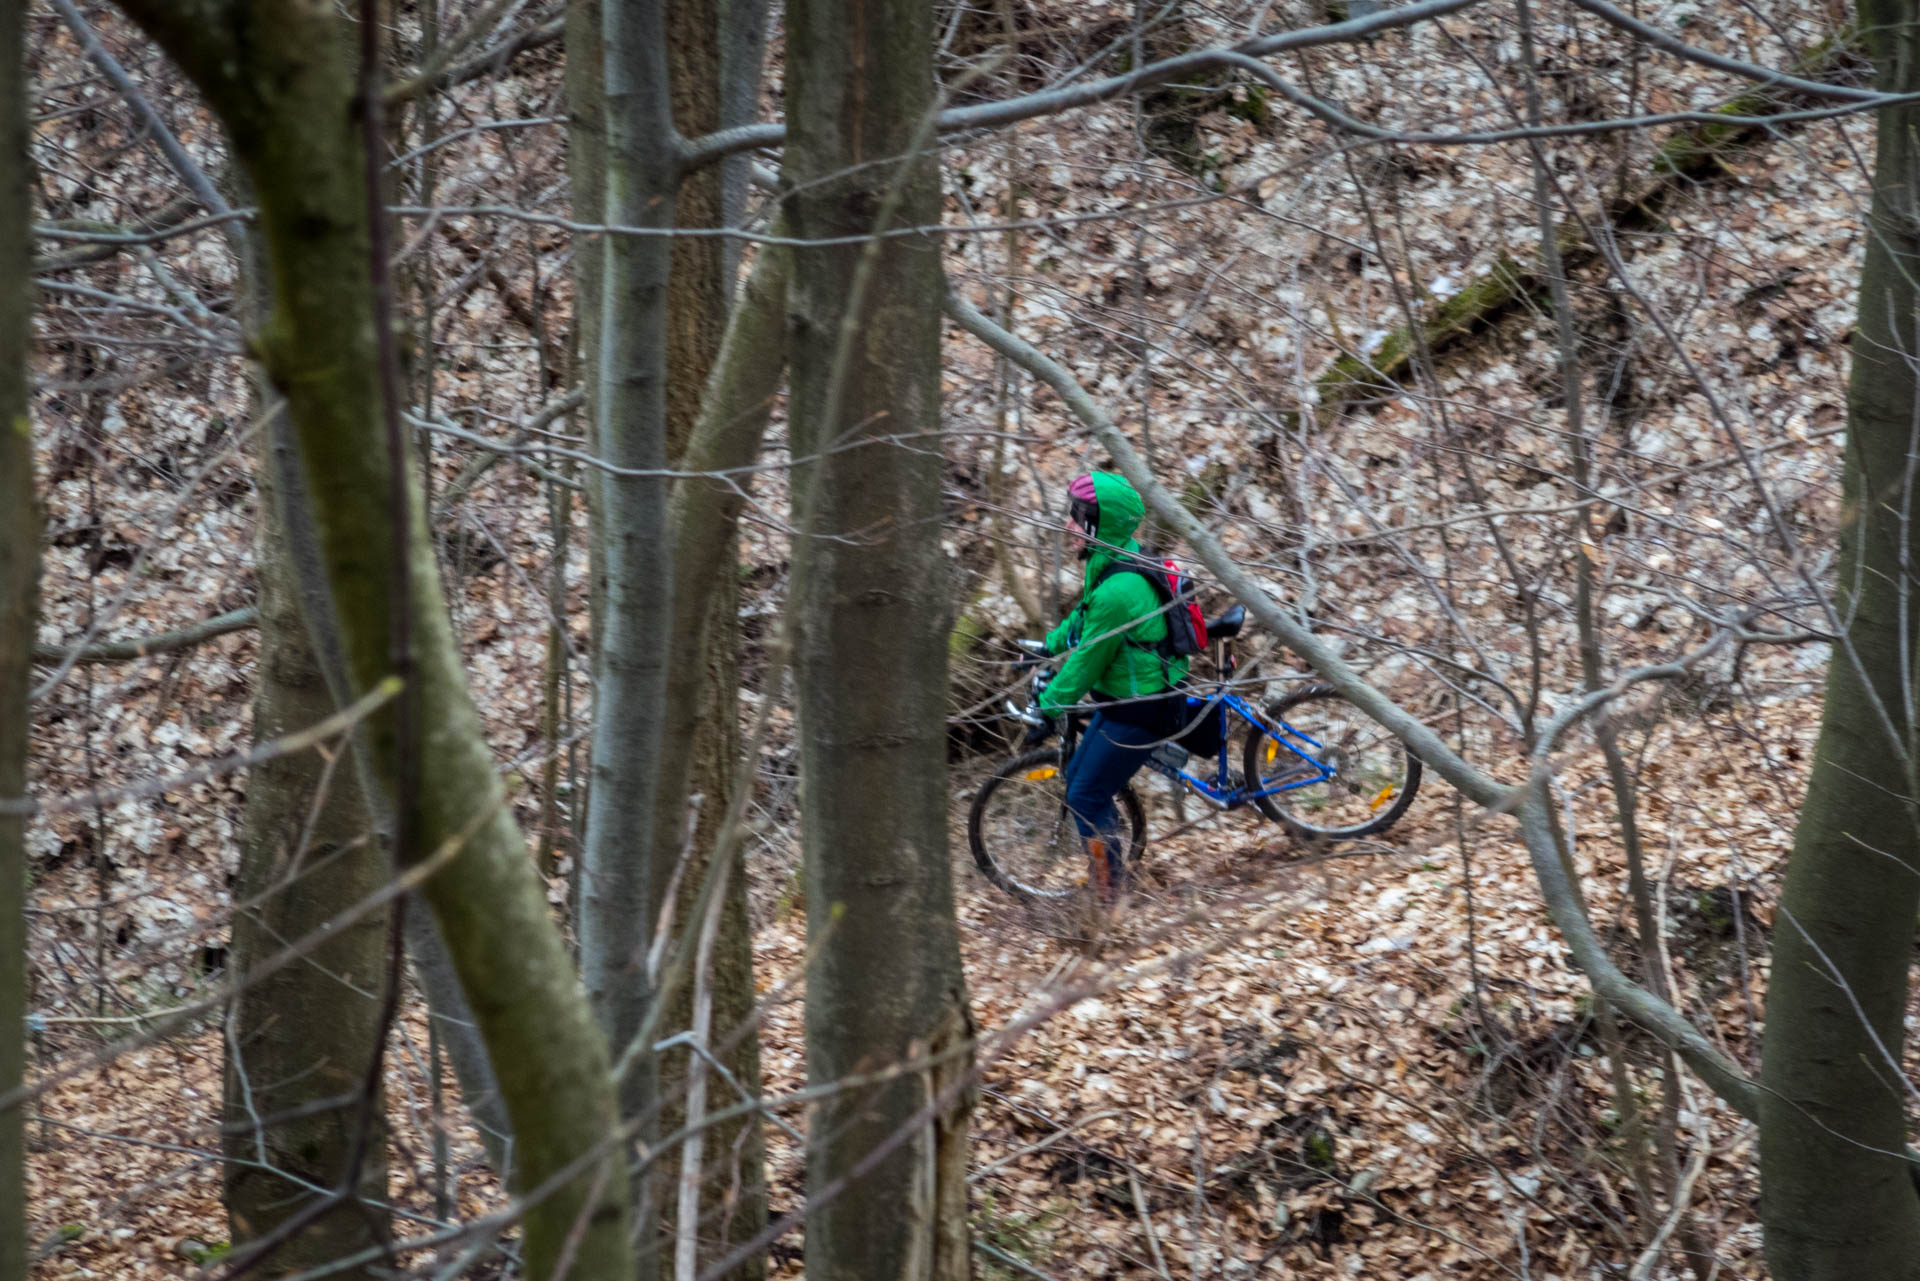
(1311, 762)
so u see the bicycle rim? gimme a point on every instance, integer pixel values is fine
(1022, 837)
(1372, 776)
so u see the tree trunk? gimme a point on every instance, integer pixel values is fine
(305, 566)
(618, 902)
(279, 76)
(19, 576)
(305, 1033)
(1838, 1200)
(662, 310)
(871, 602)
(712, 45)
(586, 179)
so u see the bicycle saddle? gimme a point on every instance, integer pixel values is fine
(1228, 625)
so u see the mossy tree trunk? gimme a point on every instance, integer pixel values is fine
(1838, 1200)
(19, 577)
(279, 75)
(886, 1164)
(304, 1034)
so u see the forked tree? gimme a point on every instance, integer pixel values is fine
(281, 78)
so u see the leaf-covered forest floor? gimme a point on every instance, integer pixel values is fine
(1358, 1062)
(1280, 1057)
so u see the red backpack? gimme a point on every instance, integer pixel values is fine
(1186, 624)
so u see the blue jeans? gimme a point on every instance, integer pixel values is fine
(1107, 755)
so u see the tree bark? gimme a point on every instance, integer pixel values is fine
(19, 578)
(1838, 1200)
(715, 77)
(305, 1033)
(279, 75)
(872, 608)
(433, 967)
(619, 870)
(661, 313)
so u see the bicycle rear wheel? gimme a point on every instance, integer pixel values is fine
(1022, 836)
(1373, 776)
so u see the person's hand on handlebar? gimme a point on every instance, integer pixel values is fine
(1035, 652)
(1039, 727)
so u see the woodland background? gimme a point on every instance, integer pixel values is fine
(1340, 352)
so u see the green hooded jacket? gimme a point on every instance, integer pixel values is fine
(1124, 608)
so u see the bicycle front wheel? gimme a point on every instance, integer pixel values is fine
(1371, 775)
(1022, 836)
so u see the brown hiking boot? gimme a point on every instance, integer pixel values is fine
(1103, 871)
(1099, 875)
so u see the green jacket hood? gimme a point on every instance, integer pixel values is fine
(1120, 507)
(1112, 635)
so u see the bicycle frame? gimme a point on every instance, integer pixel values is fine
(1220, 790)
(1277, 731)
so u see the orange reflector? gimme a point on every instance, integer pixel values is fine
(1035, 775)
(1387, 793)
(1273, 750)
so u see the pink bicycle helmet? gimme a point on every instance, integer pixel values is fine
(1083, 504)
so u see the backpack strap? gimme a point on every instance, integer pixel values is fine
(1155, 575)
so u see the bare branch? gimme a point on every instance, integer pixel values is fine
(1667, 42)
(994, 115)
(126, 651)
(332, 727)
(429, 76)
(183, 164)
(492, 58)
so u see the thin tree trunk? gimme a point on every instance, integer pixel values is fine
(743, 41)
(711, 43)
(1633, 1128)
(733, 418)
(278, 73)
(886, 1166)
(618, 867)
(1838, 1199)
(586, 178)
(19, 577)
(661, 315)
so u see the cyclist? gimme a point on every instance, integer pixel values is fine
(1111, 641)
